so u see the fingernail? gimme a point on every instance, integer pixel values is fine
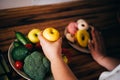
(93, 29)
(89, 41)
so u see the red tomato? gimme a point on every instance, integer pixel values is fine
(38, 46)
(18, 65)
(29, 46)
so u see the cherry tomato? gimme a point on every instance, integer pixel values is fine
(18, 65)
(29, 46)
(38, 46)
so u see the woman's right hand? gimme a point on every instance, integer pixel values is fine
(51, 50)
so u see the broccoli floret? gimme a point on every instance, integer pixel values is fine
(36, 66)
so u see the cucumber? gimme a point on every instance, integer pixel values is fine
(22, 38)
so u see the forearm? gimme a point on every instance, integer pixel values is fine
(108, 62)
(61, 71)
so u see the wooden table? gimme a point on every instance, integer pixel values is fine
(101, 14)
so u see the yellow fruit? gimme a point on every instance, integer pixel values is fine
(51, 34)
(82, 24)
(33, 35)
(82, 37)
(65, 59)
(70, 37)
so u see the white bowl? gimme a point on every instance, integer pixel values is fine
(75, 46)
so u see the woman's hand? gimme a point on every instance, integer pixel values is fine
(59, 68)
(52, 50)
(97, 50)
(96, 45)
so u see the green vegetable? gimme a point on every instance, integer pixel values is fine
(36, 66)
(17, 43)
(19, 53)
(22, 38)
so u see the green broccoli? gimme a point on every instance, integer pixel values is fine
(36, 65)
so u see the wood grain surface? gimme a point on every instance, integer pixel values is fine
(102, 14)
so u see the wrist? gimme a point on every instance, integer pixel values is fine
(98, 56)
(56, 59)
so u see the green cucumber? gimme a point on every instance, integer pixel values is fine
(22, 38)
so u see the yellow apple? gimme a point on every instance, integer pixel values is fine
(51, 34)
(33, 35)
(82, 37)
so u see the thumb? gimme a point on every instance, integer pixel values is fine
(60, 40)
(40, 35)
(41, 38)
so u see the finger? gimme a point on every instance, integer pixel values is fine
(60, 40)
(101, 41)
(93, 34)
(96, 38)
(41, 38)
(39, 35)
(100, 37)
(90, 45)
